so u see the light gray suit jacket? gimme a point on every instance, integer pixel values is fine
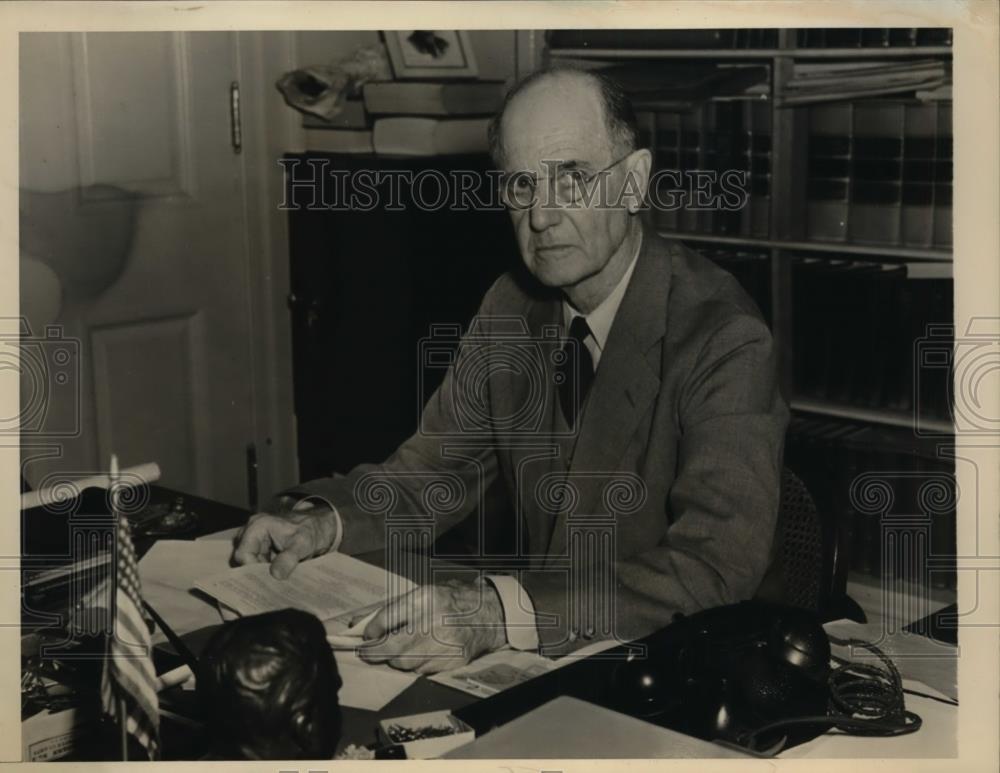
(674, 470)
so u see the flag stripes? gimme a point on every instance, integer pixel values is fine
(129, 675)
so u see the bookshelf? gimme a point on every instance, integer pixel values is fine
(903, 253)
(759, 53)
(865, 180)
(845, 242)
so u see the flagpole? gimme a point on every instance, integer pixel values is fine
(113, 483)
(123, 725)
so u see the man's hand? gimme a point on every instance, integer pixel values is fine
(284, 540)
(437, 627)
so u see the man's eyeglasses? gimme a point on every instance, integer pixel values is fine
(568, 187)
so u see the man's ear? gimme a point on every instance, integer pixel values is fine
(636, 180)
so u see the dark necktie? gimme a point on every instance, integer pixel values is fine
(576, 371)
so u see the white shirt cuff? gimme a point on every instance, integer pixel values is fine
(313, 501)
(518, 612)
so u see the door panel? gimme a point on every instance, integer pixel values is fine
(165, 363)
(134, 126)
(129, 361)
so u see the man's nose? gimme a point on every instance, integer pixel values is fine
(543, 214)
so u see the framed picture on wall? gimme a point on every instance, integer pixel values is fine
(430, 54)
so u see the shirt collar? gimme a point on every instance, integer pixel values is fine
(600, 319)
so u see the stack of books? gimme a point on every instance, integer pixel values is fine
(823, 81)
(347, 132)
(412, 118)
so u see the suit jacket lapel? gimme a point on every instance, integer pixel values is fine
(532, 457)
(626, 383)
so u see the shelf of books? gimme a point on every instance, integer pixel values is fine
(910, 254)
(841, 140)
(880, 173)
(608, 44)
(881, 480)
(857, 325)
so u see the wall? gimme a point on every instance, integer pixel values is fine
(272, 128)
(495, 50)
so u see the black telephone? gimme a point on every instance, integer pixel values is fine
(725, 673)
(752, 674)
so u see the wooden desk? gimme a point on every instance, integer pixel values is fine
(936, 737)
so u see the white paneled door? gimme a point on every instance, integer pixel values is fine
(133, 193)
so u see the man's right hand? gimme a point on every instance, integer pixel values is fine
(284, 540)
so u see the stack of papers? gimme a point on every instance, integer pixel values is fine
(192, 586)
(168, 573)
(338, 589)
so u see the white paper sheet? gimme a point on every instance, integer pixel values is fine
(495, 672)
(168, 573)
(342, 637)
(330, 586)
(180, 563)
(336, 588)
(369, 686)
(500, 670)
(226, 535)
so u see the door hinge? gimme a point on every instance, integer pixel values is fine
(252, 489)
(235, 119)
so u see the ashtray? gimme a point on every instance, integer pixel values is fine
(426, 736)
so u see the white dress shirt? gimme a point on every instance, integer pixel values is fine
(600, 319)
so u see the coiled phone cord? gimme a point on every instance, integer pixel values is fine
(864, 700)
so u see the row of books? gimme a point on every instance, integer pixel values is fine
(835, 37)
(661, 38)
(718, 137)
(880, 172)
(905, 537)
(422, 118)
(875, 172)
(873, 37)
(859, 328)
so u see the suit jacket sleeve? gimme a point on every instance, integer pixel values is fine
(722, 505)
(420, 477)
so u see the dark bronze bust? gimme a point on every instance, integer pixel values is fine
(268, 686)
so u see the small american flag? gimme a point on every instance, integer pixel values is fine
(128, 682)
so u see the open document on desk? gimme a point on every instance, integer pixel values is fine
(336, 588)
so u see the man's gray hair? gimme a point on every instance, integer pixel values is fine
(619, 115)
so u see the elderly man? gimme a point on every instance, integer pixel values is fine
(663, 380)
